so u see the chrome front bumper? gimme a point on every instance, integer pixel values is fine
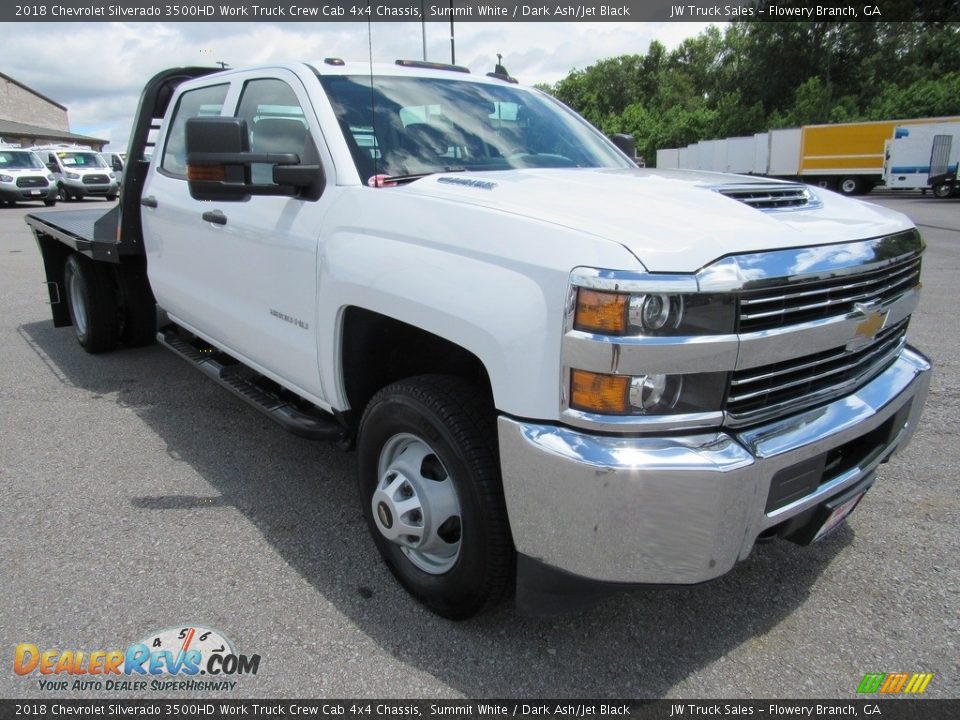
(685, 509)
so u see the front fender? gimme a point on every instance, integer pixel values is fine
(505, 318)
(492, 282)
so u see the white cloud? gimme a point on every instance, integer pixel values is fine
(98, 69)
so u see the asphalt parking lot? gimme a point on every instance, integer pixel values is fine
(137, 495)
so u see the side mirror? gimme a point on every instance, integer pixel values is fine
(625, 143)
(219, 164)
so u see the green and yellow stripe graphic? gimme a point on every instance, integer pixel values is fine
(894, 683)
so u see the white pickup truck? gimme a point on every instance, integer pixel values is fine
(563, 375)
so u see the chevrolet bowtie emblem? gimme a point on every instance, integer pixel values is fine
(873, 321)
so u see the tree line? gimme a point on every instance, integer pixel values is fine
(751, 77)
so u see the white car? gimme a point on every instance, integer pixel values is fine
(80, 172)
(24, 178)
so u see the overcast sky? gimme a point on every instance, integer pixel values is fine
(97, 69)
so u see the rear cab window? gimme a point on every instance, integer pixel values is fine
(201, 102)
(275, 121)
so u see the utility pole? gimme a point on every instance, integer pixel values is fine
(423, 29)
(453, 50)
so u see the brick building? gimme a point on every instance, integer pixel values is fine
(29, 118)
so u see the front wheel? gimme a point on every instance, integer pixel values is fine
(49, 203)
(430, 487)
(64, 194)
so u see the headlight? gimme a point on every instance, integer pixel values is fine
(50, 178)
(654, 394)
(615, 313)
(111, 176)
(71, 176)
(649, 393)
(6, 178)
(653, 313)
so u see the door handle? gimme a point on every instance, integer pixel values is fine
(215, 216)
(148, 201)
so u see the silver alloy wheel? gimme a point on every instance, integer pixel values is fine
(849, 186)
(77, 303)
(415, 505)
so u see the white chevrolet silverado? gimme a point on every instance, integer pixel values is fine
(563, 375)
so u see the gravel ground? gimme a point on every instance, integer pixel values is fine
(137, 495)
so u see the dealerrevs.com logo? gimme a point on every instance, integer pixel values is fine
(189, 658)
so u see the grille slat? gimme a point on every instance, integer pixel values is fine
(882, 292)
(776, 307)
(909, 268)
(761, 392)
(857, 356)
(95, 179)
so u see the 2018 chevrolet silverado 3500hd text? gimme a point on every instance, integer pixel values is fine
(562, 374)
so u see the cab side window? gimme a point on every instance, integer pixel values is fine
(275, 121)
(202, 102)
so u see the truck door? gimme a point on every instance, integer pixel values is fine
(940, 155)
(244, 274)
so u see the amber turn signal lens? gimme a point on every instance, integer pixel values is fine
(206, 172)
(597, 393)
(601, 312)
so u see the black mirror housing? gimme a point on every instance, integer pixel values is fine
(219, 160)
(625, 143)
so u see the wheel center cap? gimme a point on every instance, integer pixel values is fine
(386, 518)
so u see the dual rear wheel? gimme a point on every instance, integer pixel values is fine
(108, 305)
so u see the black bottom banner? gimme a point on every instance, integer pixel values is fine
(880, 709)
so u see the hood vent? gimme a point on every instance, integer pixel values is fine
(772, 197)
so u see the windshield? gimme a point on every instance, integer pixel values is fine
(19, 160)
(81, 160)
(413, 125)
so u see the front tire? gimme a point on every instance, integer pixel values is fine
(942, 190)
(92, 301)
(49, 203)
(64, 194)
(431, 493)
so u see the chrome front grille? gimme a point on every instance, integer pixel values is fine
(768, 391)
(774, 307)
(772, 197)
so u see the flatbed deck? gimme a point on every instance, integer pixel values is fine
(92, 231)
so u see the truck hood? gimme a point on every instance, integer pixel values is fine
(672, 221)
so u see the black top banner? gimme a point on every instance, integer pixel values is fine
(418, 709)
(479, 11)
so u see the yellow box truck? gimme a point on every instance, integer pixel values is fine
(849, 157)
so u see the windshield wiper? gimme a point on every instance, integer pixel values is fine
(391, 180)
